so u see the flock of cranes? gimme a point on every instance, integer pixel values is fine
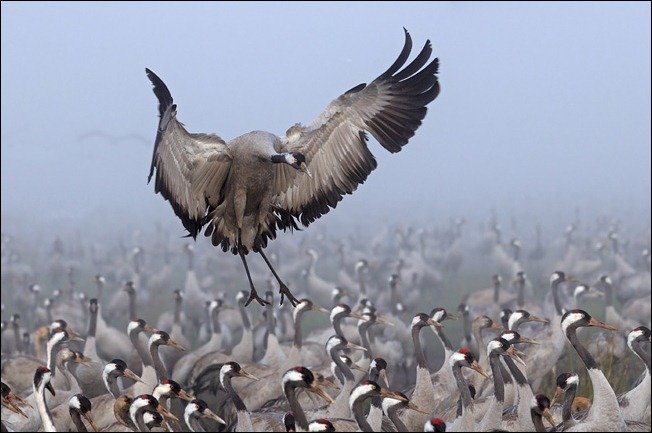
(130, 350)
(380, 353)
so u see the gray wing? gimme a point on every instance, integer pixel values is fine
(391, 108)
(190, 168)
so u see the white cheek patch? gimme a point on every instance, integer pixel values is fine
(388, 403)
(570, 319)
(240, 296)
(633, 336)
(493, 345)
(148, 417)
(456, 357)
(332, 342)
(359, 392)
(75, 403)
(438, 316)
(292, 376)
(573, 380)
(212, 306)
(554, 277)
(132, 325)
(509, 336)
(416, 320)
(154, 338)
(317, 426)
(56, 338)
(335, 311)
(608, 281)
(580, 289)
(191, 409)
(534, 403)
(515, 317)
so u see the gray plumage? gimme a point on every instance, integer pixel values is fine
(245, 189)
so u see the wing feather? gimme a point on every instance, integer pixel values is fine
(191, 169)
(390, 108)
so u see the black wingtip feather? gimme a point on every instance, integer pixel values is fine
(161, 91)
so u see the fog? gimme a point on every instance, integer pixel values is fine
(544, 110)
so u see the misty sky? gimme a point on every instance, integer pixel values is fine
(543, 106)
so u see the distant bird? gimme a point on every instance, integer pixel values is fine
(245, 189)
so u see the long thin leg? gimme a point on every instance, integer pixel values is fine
(253, 294)
(284, 289)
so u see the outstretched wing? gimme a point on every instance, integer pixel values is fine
(390, 108)
(190, 168)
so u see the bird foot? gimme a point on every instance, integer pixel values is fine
(254, 295)
(286, 292)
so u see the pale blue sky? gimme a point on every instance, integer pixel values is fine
(543, 106)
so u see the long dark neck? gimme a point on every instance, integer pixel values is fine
(17, 340)
(237, 401)
(360, 418)
(52, 351)
(645, 356)
(298, 337)
(392, 414)
(499, 385)
(418, 351)
(362, 330)
(521, 294)
(195, 425)
(299, 415)
(467, 326)
(337, 326)
(132, 305)
(496, 291)
(142, 352)
(346, 371)
(112, 385)
(537, 420)
(100, 290)
(177, 311)
(520, 379)
(245, 317)
(393, 298)
(482, 349)
(92, 323)
(271, 328)
(217, 328)
(608, 294)
(555, 297)
(462, 386)
(363, 288)
(568, 403)
(76, 419)
(161, 372)
(140, 423)
(587, 358)
(444, 340)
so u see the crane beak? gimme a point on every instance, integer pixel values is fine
(355, 346)
(539, 319)
(176, 345)
(475, 366)
(50, 388)
(327, 383)
(599, 324)
(320, 392)
(183, 395)
(496, 327)
(84, 360)
(381, 320)
(434, 323)
(149, 329)
(527, 340)
(548, 416)
(355, 366)
(412, 406)
(512, 354)
(87, 415)
(166, 413)
(319, 308)
(454, 316)
(357, 316)
(73, 335)
(12, 407)
(212, 415)
(248, 375)
(558, 393)
(386, 393)
(133, 376)
(19, 399)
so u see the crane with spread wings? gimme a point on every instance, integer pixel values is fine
(244, 190)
